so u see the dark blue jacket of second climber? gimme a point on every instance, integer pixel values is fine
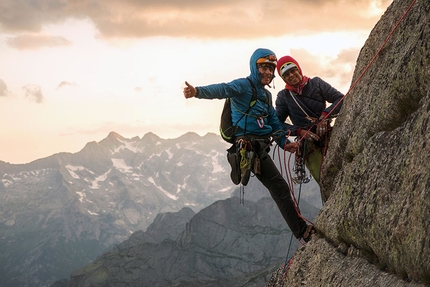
(313, 100)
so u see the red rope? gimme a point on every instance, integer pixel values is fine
(286, 267)
(290, 181)
(368, 65)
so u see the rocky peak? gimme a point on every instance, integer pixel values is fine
(150, 137)
(112, 139)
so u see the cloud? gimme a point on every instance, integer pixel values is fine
(337, 70)
(315, 65)
(209, 19)
(3, 88)
(64, 84)
(33, 92)
(34, 41)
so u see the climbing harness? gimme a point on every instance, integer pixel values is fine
(247, 148)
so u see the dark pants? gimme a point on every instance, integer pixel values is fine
(272, 179)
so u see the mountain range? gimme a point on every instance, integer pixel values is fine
(58, 214)
(82, 217)
(225, 244)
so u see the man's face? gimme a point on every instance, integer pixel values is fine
(266, 71)
(292, 77)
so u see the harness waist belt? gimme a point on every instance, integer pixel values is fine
(251, 137)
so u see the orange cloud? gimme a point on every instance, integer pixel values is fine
(336, 70)
(34, 41)
(212, 18)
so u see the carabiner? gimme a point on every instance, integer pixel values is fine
(260, 122)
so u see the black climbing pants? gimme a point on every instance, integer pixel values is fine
(272, 179)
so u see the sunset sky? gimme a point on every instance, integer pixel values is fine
(73, 71)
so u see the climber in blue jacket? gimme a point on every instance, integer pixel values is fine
(256, 129)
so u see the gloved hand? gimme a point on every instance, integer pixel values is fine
(308, 135)
(291, 146)
(322, 127)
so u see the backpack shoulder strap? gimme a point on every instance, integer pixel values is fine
(252, 102)
(254, 94)
(268, 98)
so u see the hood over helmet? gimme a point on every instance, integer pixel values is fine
(261, 56)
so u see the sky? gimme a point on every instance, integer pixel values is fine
(71, 72)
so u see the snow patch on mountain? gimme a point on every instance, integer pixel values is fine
(101, 178)
(132, 146)
(217, 166)
(120, 164)
(71, 169)
(169, 153)
(82, 195)
(171, 196)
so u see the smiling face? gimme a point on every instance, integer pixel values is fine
(292, 76)
(266, 73)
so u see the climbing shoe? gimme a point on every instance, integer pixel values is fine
(234, 162)
(246, 163)
(308, 233)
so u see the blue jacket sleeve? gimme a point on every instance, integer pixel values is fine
(221, 90)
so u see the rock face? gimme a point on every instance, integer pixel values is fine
(374, 229)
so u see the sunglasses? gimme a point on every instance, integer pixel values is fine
(266, 66)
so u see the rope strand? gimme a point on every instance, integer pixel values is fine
(368, 65)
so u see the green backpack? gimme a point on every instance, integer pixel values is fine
(227, 128)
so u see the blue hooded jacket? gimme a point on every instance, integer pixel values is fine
(261, 119)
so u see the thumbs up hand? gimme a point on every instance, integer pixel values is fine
(189, 91)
